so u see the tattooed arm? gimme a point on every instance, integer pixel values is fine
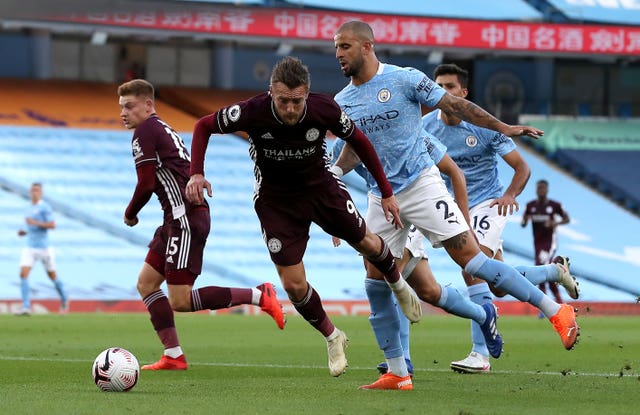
(470, 112)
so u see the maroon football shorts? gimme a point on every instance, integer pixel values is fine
(181, 243)
(285, 219)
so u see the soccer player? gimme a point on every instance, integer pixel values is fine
(175, 252)
(385, 101)
(39, 221)
(294, 187)
(476, 150)
(544, 213)
(415, 267)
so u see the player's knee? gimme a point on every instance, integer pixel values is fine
(429, 293)
(180, 303)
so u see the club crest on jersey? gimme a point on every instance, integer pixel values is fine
(471, 141)
(234, 113)
(274, 245)
(384, 95)
(137, 150)
(312, 134)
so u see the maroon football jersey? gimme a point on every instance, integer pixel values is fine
(287, 158)
(156, 142)
(541, 213)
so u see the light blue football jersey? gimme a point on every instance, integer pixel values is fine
(38, 237)
(435, 149)
(387, 109)
(475, 150)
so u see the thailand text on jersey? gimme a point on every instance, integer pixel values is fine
(288, 158)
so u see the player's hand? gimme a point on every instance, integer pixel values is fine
(519, 130)
(22, 232)
(131, 222)
(195, 193)
(336, 241)
(506, 205)
(391, 211)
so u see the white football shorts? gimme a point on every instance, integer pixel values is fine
(427, 205)
(44, 255)
(488, 225)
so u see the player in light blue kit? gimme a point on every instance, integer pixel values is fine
(384, 101)
(39, 219)
(476, 150)
(414, 262)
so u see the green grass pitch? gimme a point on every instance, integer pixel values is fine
(244, 365)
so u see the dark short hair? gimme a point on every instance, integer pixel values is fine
(452, 69)
(543, 181)
(291, 72)
(39, 184)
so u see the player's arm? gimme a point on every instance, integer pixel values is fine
(474, 114)
(565, 218)
(367, 154)
(449, 167)
(202, 131)
(41, 224)
(346, 161)
(144, 189)
(521, 173)
(525, 218)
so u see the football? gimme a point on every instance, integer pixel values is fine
(115, 370)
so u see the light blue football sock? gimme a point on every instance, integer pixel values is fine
(479, 294)
(59, 287)
(457, 304)
(384, 318)
(24, 291)
(505, 278)
(540, 273)
(404, 333)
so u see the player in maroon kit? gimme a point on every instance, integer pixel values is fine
(175, 252)
(543, 213)
(294, 187)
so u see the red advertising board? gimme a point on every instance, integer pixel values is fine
(399, 30)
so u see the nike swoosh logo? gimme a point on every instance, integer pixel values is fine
(570, 330)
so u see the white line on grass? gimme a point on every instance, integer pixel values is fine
(278, 366)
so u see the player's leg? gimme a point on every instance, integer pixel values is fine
(307, 302)
(49, 261)
(407, 264)
(285, 227)
(187, 239)
(381, 244)
(464, 250)
(551, 269)
(150, 279)
(26, 263)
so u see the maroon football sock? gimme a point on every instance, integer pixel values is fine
(162, 318)
(386, 263)
(310, 308)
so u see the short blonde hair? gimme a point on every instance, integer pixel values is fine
(137, 87)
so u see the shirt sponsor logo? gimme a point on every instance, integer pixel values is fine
(289, 154)
(425, 85)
